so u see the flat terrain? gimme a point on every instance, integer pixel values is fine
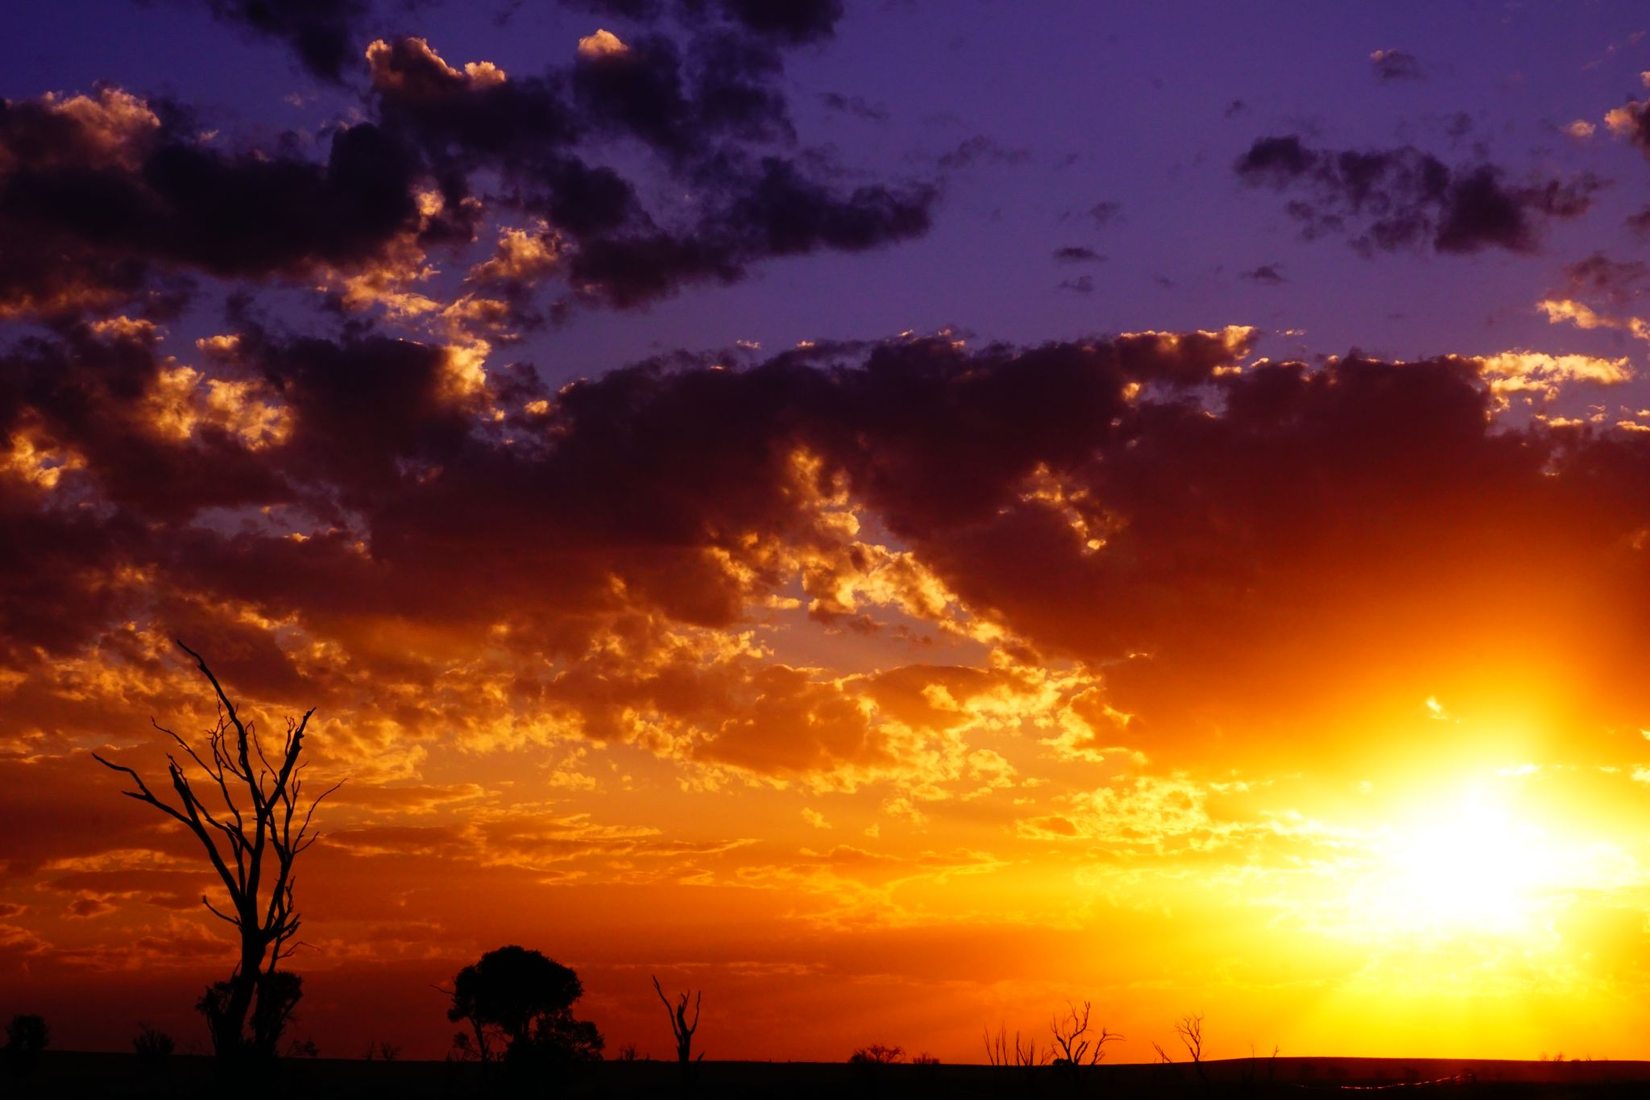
(72, 1075)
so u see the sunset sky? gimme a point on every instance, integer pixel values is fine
(898, 514)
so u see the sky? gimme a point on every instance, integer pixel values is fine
(900, 516)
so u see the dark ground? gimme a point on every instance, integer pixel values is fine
(69, 1075)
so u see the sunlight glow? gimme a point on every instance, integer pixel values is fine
(1476, 866)
(1478, 862)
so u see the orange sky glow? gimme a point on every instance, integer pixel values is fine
(1351, 802)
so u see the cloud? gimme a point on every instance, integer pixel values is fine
(1270, 274)
(96, 192)
(855, 105)
(1524, 372)
(1077, 254)
(432, 556)
(1631, 121)
(981, 149)
(603, 43)
(1387, 200)
(791, 22)
(801, 21)
(1616, 283)
(1395, 65)
(321, 32)
(696, 111)
(113, 202)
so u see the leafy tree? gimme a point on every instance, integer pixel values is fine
(519, 1005)
(877, 1055)
(251, 831)
(26, 1037)
(153, 1047)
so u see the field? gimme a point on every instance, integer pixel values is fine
(71, 1075)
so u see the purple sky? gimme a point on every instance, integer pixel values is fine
(1044, 112)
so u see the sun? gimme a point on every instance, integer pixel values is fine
(1477, 864)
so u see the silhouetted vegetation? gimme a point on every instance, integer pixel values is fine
(26, 1037)
(1023, 1052)
(153, 1048)
(251, 841)
(519, 1005)
(1074, 1043)
(681, 1029)
(877, 1055)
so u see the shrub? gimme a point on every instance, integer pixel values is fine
(26, 1037)
(877, 1055)
(152, 1046)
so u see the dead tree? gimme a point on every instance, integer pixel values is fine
(1074, 1044)
(681, 1029)
(1024, 1055)
(252, 841)
(1190, 1031)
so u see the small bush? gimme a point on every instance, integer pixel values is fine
(26, 1037)
(877, 1055)
(152, 1046)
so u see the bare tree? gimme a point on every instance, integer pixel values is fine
(252, 841)
(1075, 1045)
(681, 1029)
(1190, 1031)
(1024, 1054)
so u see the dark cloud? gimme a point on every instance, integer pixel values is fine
(779, 210)
(855, 105)
(1269, 274)
(1104, 213)
(1617, 283)
(736, 88)
(1077, 254)
(321, 32)
(791, 22)
(94, 193)
(1385, 200)
(1142, 504)
(701, 113)
(980, 149)
(639, 91)
(794, 21)
(1395, 65)
(1632, 121)
(107, 201)
(635, 10)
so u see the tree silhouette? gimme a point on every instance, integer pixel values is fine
(519, 1004)
(252, 841)
(680, 1028)
(1074, 1044)
(998, 1052)
(682, 1031)
(26, 1037)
